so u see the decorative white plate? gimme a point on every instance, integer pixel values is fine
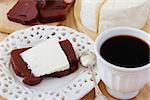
(71, 87)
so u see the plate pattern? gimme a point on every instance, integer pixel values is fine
(13, 89)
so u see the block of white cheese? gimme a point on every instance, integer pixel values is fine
(46, 58)
(100, 15)
(89, 13)
(131, 13)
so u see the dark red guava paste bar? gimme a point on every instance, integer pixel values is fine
(25, 12)
(54, 10)
(31, 12)
(20, 67)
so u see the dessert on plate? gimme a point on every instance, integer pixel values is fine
(47, 59)
(33, 65)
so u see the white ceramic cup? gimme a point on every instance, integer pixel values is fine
(122, 83)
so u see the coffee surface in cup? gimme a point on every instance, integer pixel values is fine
(126, 51)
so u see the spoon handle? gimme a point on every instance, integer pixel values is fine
(98, 93)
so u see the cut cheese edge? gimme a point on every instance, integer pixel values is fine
(131, 13)
(80, 26)
(46, 58)
(88, 14)
(81, 23)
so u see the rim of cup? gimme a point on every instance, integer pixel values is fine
(97, 48)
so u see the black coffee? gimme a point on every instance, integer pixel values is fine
(126, 51)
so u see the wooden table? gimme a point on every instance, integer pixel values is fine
(143, 95)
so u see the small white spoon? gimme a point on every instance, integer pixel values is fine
(88, 60)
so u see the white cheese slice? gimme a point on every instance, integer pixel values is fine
(46, 58)
(131, 13)
(89, 13)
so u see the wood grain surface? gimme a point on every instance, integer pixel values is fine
(70, 22)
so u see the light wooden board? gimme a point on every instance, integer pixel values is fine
(70, 22)
(7, 26)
